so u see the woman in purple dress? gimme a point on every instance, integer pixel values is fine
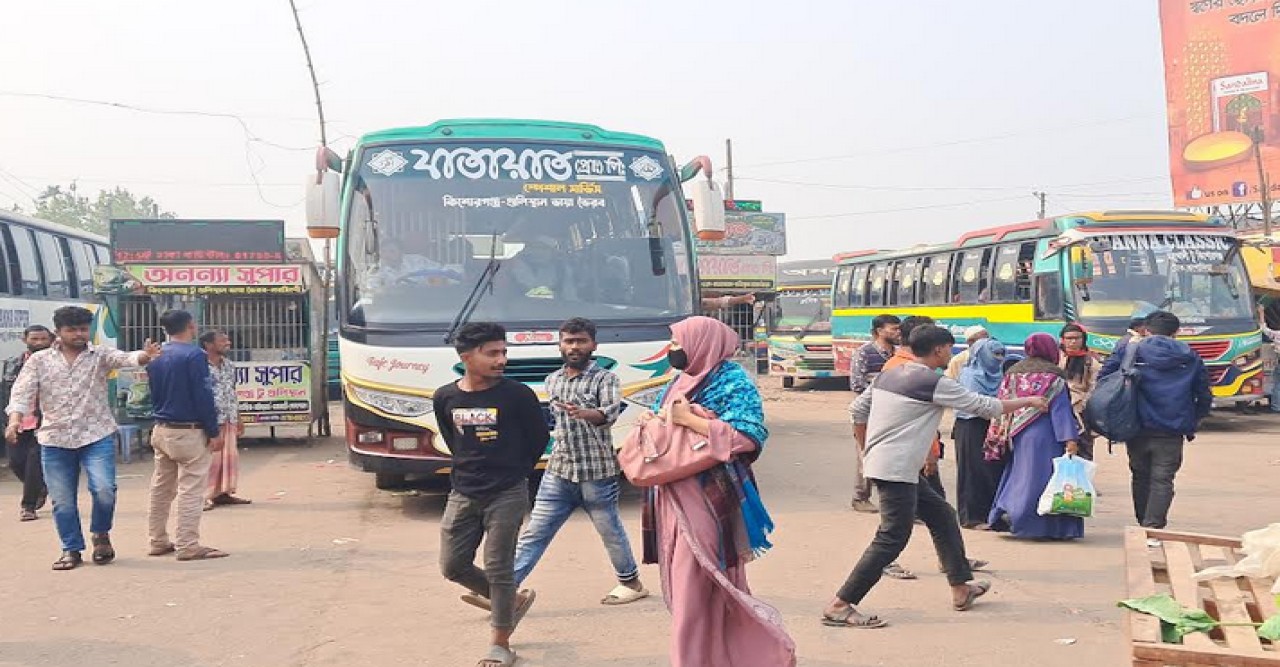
(1028, 440)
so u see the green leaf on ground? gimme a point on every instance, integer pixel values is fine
(1270, 629)
(1178, 621)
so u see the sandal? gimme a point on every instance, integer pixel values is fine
(624, 595)
(70, 560)
(233, 500)
(977, 589)
(162, 550)
(895, 571)
(478, 601)
(498, 657)
(522, 608)
(975, 564)
(850, 617)
(203, 553)
(28, 515)
(103, 552)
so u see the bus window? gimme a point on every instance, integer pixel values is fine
(1048, 287)
(55, 272)
(23, 250)
(1005, 279)
(1026, 265)
(82, 261)
(5, 271)
(841, 298)
(876, 281)
(895, 275)
(936, 275)
(968, 277)
(908, 277)
(103, 254)
(858, 287)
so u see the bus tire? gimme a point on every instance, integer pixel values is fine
(788, 382)
(388, 480)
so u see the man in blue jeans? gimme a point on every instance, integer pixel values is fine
(68, 382)
(583, 471)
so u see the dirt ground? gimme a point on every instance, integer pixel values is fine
(327, 571)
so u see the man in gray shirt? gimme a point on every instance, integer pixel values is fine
(908, 405)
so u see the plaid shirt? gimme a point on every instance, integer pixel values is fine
(868, 362)
(72, 396)
(583, 452)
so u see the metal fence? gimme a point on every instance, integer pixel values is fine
(744, 320)
(137, 319)
(274, 329)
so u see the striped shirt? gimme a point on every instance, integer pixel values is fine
(583, 452)
(868, 362)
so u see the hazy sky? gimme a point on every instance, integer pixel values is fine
(944, 115)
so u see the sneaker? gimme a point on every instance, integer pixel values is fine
(865, 506)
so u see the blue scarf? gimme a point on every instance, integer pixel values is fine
(731, 394)
(982, 373)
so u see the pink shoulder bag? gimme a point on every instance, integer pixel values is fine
(657, 452)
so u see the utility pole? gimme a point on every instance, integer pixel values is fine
(728, 181)
(1041, 196)
(1263, 185)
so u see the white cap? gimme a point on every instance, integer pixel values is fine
(974, 331)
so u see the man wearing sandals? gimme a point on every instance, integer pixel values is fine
(68, 382)
(583, 470)
(908, 404)
(186, 435)
(497, 433)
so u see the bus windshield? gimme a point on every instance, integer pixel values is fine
(575, 231)
(803, 311)
(1201, 279)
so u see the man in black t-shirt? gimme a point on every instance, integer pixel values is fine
(497, 433)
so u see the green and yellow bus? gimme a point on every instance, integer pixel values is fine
(1097, 269)
(800, 322)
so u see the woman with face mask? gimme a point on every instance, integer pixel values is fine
(703, 530)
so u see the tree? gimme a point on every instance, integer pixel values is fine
(68, 207)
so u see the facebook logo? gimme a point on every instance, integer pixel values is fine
(1239, 189)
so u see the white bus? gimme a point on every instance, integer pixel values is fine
(44, 266)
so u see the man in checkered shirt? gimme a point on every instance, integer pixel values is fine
(583, 470)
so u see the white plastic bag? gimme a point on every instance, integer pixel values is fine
(1070, 490)
(1262, 558)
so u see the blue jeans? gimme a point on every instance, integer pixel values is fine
(557, 499)
(1275, 390)
(62, 476)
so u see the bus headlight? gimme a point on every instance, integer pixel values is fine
(401, 405)
(1248, 359)
(645, 398)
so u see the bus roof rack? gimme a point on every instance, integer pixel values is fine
(997, 234)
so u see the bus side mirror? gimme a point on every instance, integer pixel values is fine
(324, 200)
(1081, 265)
(708, 209)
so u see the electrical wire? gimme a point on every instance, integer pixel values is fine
(942, 188)
(904, 209)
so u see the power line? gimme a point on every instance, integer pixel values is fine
(943, 188)
(957, 142)
(901, 210)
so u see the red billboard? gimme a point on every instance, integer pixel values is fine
(1222, 86)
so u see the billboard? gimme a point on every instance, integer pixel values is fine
(269, 392)
(737, 272)
(748, 233)
(205, 241)
(1222, 87)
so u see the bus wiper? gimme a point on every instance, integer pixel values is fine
(483, 284)
(804, 331)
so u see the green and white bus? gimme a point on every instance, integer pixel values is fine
(522, 222)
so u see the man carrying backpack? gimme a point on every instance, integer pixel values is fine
(1172, 397)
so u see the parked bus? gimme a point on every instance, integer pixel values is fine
(526, 223)
(1098, 269)
(43, 267)
(800, 322)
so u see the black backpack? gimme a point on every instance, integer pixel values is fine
(1112, 409)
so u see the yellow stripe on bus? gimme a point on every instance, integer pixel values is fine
(994, 312)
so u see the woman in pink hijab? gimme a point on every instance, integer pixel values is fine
(703, 530)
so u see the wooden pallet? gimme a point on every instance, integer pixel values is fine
(1168, 569)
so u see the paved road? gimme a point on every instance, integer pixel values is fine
(327, 571)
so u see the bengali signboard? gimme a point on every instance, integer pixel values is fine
(214, 279)
(1222, 83)
(749, 233)
(737, 272)
(204, 241)
(273, 391)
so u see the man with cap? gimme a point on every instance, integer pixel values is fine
(972, 335)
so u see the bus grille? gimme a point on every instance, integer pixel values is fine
(1210, 350)
(536, 370)
(818, 348)
(1216, 373)
(827, 364)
